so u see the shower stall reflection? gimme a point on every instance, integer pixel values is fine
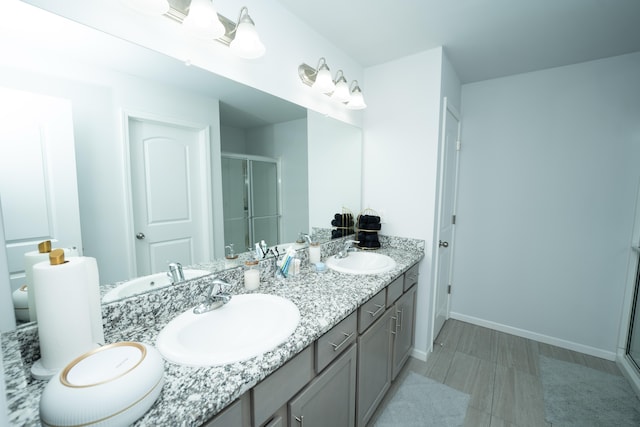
(250, 191)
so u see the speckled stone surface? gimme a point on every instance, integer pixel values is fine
(191, 396)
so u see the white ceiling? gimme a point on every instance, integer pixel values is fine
(483, 39)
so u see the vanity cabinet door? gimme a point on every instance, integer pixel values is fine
(374, 366)
(274, 392)
(236, 414)
(403, 324)
(330, 399)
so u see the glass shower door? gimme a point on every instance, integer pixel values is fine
(265, 217)
(235, 182)
(633, 343)
(250, 193)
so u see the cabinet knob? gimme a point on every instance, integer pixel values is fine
(140, 236)
(443, 244)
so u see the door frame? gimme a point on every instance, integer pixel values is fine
(626, 366)
(206, 193)
(447, 107)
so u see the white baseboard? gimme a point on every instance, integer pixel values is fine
(418, 354)
(592, 351)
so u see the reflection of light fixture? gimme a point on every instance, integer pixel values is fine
(202, 21)
(357, 100)
(246, 42)
(338, 89)
(149, 7)
(341, 92)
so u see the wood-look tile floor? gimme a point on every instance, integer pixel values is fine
(499, 371)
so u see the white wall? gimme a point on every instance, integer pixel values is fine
(335, 169)
(549, 169)
(401, 133)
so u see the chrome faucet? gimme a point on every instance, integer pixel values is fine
(175, 272)
(304, 236)
(348, 247)
(217, 296)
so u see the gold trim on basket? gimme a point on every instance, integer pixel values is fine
(65, 372)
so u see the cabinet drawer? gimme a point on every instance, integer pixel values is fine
(394, 291)
(411, 277)
(330, 345)
(371, 310)
(276, 390)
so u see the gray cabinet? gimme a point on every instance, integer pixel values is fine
(237, 414)
(340, 379)
(276, 390)
(374, 366)
(403, 324)
(328, 400)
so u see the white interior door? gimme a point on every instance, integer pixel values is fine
(446, 231)
(38, 183)
(170, 195)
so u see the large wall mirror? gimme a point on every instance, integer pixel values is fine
(111, 85)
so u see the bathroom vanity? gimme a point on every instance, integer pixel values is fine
(354, 335)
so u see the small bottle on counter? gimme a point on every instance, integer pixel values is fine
(251, 275)
(314, 252)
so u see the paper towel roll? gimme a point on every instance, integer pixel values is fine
(68, 310)
(30, 259)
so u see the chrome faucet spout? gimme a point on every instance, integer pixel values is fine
(304, 236)
(175, 273)
(348, 247)
(217, 296)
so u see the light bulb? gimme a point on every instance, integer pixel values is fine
(341, 92)
(246, 43)
(202, 21)
(324, 82)
(357, 100)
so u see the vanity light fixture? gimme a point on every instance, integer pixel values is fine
(323, 82)
(341, 92)
(246, 42)
(200, 19)
(357, 100)
(337, 90)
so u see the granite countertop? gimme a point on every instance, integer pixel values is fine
(192, 396)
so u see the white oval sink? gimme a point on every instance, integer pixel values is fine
(361, 263)
(148, 283)
(245, 327)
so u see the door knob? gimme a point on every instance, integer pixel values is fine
(140, 236)
(443, 244)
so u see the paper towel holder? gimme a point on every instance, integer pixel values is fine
(56, 257)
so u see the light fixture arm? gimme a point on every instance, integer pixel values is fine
(243, 16)
(339, 77)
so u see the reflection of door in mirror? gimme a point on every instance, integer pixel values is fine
(38, 180)
(169, 195)
(251, 201)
